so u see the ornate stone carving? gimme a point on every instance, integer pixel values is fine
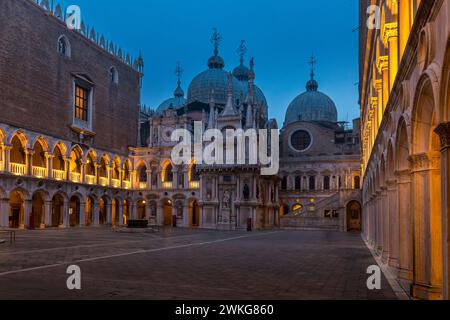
(443, 130)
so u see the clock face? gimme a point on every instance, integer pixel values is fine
(167, 133)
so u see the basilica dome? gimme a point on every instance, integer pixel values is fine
(177, 101)
(312, 105)
(214, 83)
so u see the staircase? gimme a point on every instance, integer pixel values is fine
(314, 220)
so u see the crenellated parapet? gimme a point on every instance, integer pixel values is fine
(94, 36)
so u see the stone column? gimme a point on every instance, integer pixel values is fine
(29, 161)
(67, 168)
(392, 200)
(383, 69)
(7, 158)
(385, 218)
(48, 213)
(149, 179)
(27, 208)
(390, 40)
(120, 213)
(427, 226)
(380, 222)
(175, 178)
(378, 85)
(108, 212)
(405, 225)
(96, 212)
(186, 222)
(82, 214)
(49, 159)
(4, 213)
(443, 130)
(65, 215)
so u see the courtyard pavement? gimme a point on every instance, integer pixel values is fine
(188, 264)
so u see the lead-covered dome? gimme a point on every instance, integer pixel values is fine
(176, 102)
(213, 83)
(312, 105)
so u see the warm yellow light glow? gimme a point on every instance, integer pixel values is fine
(58, 175)
(90, 179)
(17, 169)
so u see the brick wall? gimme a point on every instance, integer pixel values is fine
(36, 82)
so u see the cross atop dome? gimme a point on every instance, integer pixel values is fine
(179, 72)
(312, 61)
(216, 39)
(312, 84)
(242, 50)
(216, 62)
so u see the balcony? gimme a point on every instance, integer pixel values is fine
(90, 179)
(39, 172)
(143, 185)
(75, 177)
(115, 183)
(168, 185)
(59, 175)
(126, 184)
(17, 169)
(194, 185)
(104, 181)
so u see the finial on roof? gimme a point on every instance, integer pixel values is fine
(252, 69)
(312, 62)
(312, 84)
(216, 38)
(242, 50)
(179, 93)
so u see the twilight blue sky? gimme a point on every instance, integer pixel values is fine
(280, 34)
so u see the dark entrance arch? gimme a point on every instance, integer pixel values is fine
(353, 216)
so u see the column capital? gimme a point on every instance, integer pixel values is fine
(378, 84)
(443, 130)
(389, 31)
(382, 64)
(424, 161)
(374, 103)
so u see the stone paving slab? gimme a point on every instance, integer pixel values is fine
(189, 264)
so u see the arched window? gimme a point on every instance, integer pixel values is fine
(39, 155)
(58, 159)
(126, 171)
(113, 75)
(64, 47)
(116, 170)
(194, 176)
(168, 173)
(90, 165)
(103, 170)
(142, 171)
